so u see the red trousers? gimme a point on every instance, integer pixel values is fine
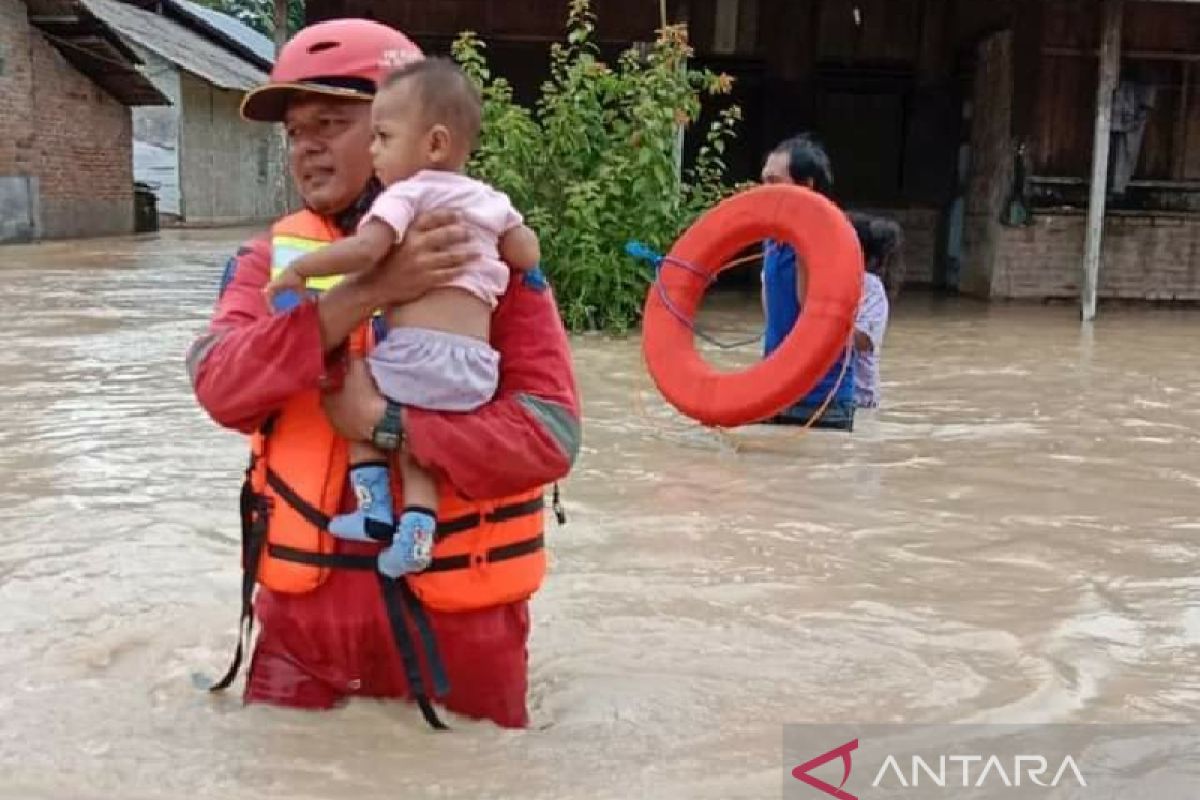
(315, 650)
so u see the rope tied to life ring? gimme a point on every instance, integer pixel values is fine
(644, 252)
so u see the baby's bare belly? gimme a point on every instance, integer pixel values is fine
(449, 310)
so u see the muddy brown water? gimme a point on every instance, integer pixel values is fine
(1012, 538)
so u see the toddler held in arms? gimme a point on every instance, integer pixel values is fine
(426, 118)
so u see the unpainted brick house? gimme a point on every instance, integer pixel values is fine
(95, 94)
(66, 164)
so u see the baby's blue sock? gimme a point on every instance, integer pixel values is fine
(412, 549)
(373, 521)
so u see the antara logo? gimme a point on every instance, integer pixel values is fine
(942, 772)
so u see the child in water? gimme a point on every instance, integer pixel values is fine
(882, 243)
(426, 118)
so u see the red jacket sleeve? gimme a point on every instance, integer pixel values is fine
(529, 435)
(250, 361)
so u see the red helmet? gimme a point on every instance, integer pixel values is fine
(341, 57)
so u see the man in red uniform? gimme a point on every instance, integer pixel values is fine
(317, 648)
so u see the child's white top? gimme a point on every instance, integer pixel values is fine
(487, 213)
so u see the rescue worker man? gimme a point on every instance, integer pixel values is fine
(330, 626)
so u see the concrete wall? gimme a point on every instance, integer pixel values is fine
(68, 141)
(229, 168)
(207, 165)
(20, 208)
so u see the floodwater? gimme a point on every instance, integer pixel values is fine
(1013, 538)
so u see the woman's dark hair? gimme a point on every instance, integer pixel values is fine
(882, 242)
(807, 161)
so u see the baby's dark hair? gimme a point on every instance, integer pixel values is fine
(445, 94)
(807, 161)
(882, 242)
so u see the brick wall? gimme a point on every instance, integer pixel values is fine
(1145, 257)
(85, 151)
(67, 133)
(16, 125)
(18, 190)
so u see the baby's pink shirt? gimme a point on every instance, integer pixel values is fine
(488, 215)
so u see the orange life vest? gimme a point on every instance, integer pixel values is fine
(486, 553)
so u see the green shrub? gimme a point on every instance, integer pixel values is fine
(593, 165)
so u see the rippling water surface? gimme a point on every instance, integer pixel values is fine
(1012, 538)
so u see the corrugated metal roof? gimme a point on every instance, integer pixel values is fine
(95, 49)
(177, 44)
(235, 29)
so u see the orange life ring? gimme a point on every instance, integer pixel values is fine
(823, 239)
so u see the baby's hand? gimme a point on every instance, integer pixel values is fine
(288, 279)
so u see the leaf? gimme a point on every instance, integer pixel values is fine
(591, 163)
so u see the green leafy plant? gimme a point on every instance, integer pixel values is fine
(595, 163)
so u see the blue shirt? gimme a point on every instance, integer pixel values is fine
(783, 309)
(779, 287)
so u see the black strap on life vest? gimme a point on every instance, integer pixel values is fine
(302, 507)
(500, 553)
(398, 597)
(560, 513)
(399, 600)
(253, 509)
(445, 528)
(468, 522)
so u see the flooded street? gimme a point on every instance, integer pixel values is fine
(1013, 537)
